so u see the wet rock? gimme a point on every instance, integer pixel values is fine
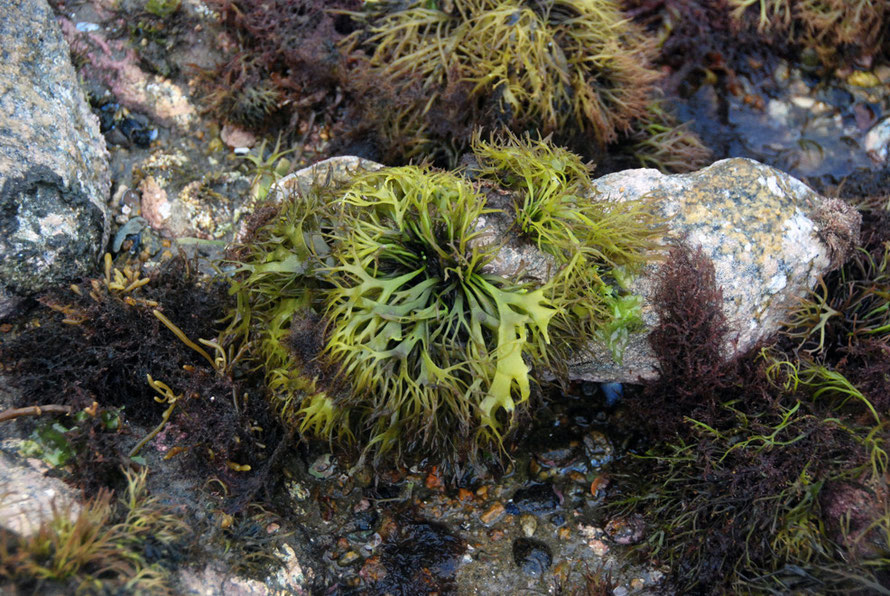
(626, 529)
(531, 556)
(213, 580)
(536, 498)
(112, 63)
(877, 141)
(54, 180)
(849, 511)
(419, 557)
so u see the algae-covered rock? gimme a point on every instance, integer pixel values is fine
(54, 179)
(375, 304)
(768, 235)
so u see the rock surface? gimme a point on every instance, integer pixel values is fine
(768, 235)
(54, 180)
(28, 497)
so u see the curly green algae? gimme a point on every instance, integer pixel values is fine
(369, 306)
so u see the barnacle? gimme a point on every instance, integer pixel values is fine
(377, 321)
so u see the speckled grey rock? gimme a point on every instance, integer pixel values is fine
(54, 179)
(769, 236)
(28, 497)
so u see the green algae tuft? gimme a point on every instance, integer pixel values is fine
(370, 306)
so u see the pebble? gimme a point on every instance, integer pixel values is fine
(877, 140)
(803, 102)
(492, 514)
(529, 524)
(626, 529)
(532, 556)
(348, 558)
(598, 448)
(599, 547)
(613, 393)
(861, 78)
(535, 498)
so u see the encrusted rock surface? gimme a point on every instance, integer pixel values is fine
(54, 179)
(768, 235)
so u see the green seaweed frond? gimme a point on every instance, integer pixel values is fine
(415, 324)
(590, 237)
(373, 310)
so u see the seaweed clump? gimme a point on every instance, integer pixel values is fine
(378, 320)
(426, 74)
(107, 546)
(834, 28)
(106, 351)
(769, 471)
(283, 62)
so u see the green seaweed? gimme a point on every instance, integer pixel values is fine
(430, 73)
(371, 309)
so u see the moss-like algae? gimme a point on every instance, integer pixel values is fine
(428, 73)
(372, 311)
(106, 547)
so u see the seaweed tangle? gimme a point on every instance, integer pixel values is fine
(426, 74)
(378, 324)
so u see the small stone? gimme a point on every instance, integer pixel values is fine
(882, 71)
(877, 140)
(373, 570)
(626, 529)
(237, 137)
(532, 556)
(599, 547)
(598, 448)
(156, 209)
(529, 524)
(348, 558)
(434, 480)
(861, 78)
(619, 591)
(803, 102)
(492, 514)
(563, 533)
(637, 583)
(535, 498)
